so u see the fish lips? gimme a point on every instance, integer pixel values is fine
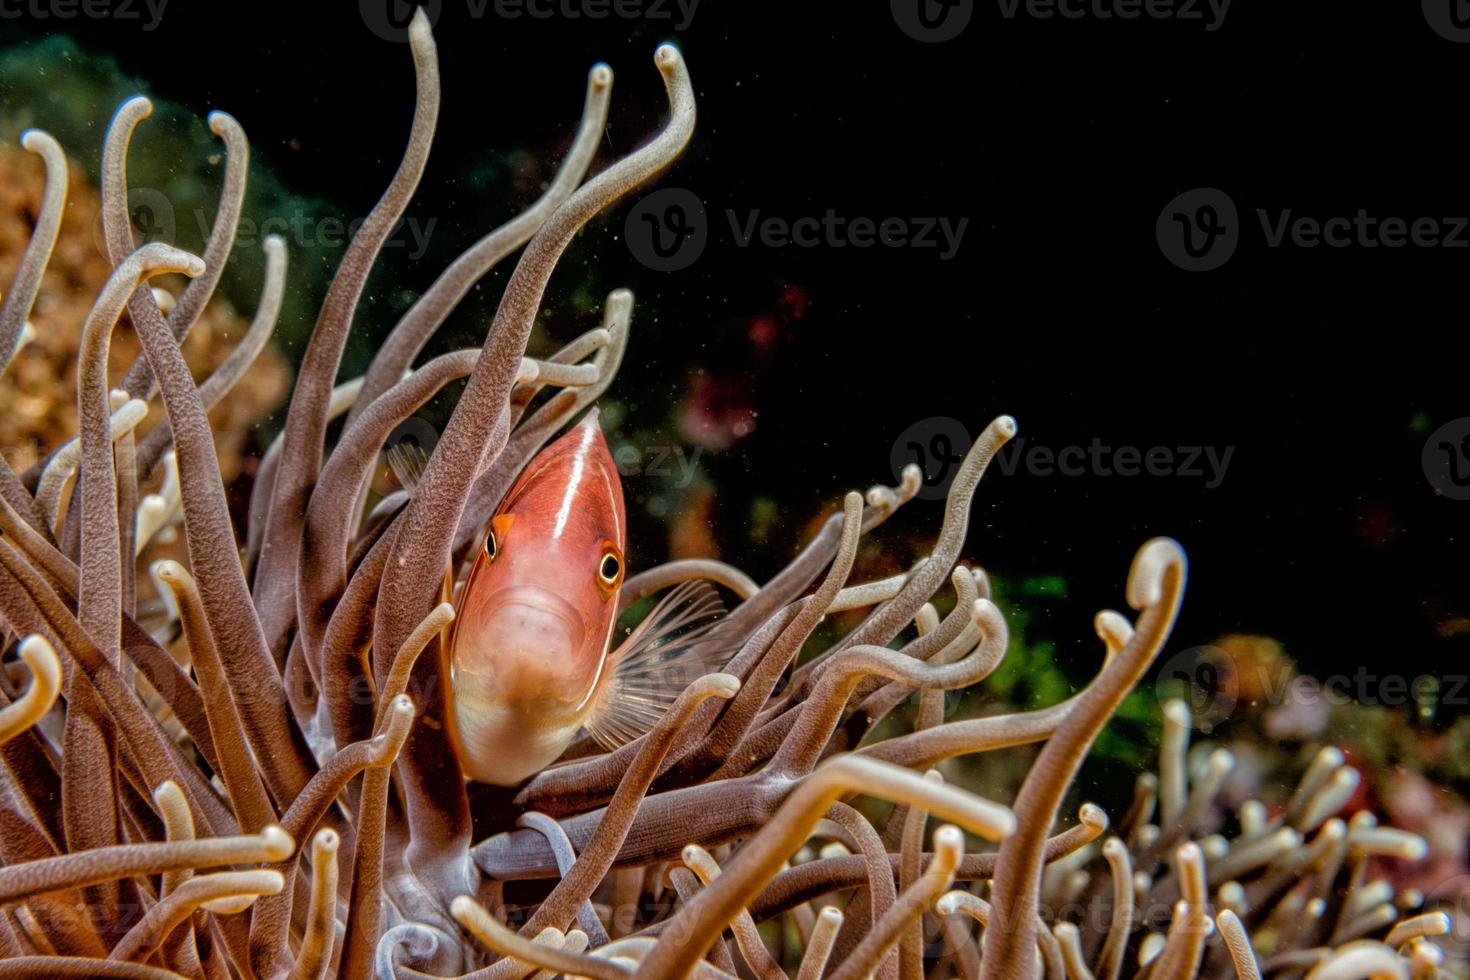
(528, 646)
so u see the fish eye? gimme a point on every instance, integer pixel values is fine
(490, 545)
(609, 569)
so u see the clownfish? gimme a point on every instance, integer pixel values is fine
(529, 657)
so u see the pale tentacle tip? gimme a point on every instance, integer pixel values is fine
(949, 837)
(601, 76)
(723, 685)
(1113, 629)
(1004, 426)
(140, 105)
(831, 914)
(166, 790)
(420, 29)
(667, 57)
(39, 654)
(1113, 847)
(168, 570)
(36, 140)
(1146, 577)
(1177, 711)
(326, 841)
(620, 300)
(949, 902)
(1094, 816)
(274, 243)
(220, 122)
(278, 844)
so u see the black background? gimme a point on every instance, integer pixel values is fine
(1061, 140)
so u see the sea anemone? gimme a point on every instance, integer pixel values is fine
(259, 782)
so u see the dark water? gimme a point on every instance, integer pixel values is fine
(1321, 371)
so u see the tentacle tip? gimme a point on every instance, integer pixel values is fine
(274, 243)
(1146, 577)
(667, 58)
(420, 29)
(1093, 816)
(724, 685)
(1177, 712)
(139, 105)
(1112, 628)
(220, 122)
(167, 790)
(168, 570)
(463, 907)
(1113, 847)
(949, 903)
(832, 915)
(326, 841)
(600, 77)
(36, 649)
(278, 844)
(35, 140)
(1004, 426)
(620, 300)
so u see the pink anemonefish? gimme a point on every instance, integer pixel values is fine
(530, 656)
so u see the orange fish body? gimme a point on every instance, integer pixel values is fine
(528, 657)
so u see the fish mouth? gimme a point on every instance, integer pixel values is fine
(528, 648)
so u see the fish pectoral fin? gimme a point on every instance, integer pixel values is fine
(678, 642)
(408, 461)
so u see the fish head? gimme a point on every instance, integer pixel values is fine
(536, 615)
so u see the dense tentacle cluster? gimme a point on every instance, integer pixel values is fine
(260, 783)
